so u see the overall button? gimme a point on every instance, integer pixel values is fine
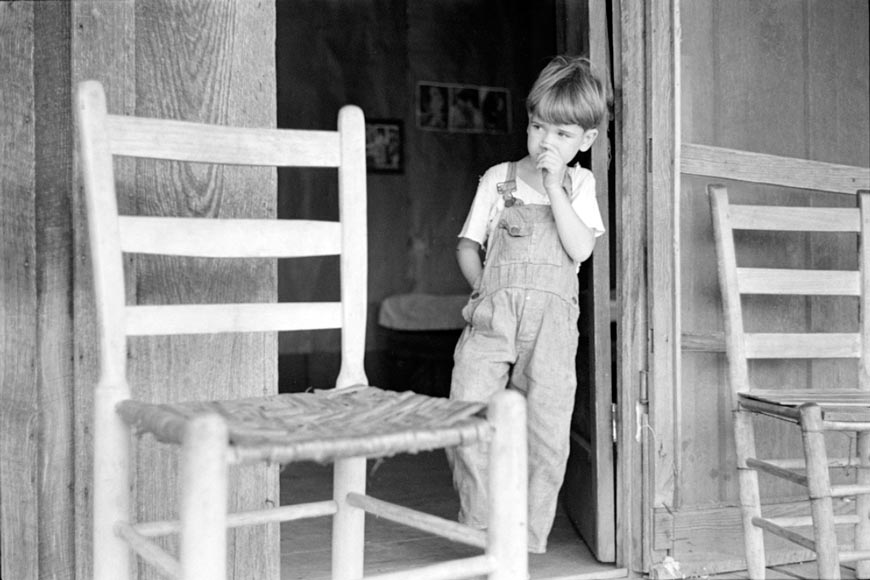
(475, 295)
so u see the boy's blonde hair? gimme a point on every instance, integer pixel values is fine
(569, 92)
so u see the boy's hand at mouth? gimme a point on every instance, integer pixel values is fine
(552, 169)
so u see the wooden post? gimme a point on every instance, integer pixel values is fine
(19, 413)
(631, 283)
(155, 57)
(199, 61)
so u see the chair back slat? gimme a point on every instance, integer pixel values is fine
(803, 345)
(104, 136)
(173, 319)
(798, 282)
(801, 219)
(200, 143)
(808, 340)
(229, 238)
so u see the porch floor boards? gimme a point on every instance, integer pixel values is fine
(420, 481)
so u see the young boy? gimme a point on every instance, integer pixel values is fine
(538, 219)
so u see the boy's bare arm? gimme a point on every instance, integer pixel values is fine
(468, 257)
(576, 237)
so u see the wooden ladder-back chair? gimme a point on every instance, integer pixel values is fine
(816, 409)
(344, 425)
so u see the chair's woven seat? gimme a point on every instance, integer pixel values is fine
(835, 404)
(322, 425)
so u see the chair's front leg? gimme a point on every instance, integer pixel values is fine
(348, 524)
(112, 555)
(862, 530)
(507, 541)
(819, 485)
(204, 499)
(750, 499)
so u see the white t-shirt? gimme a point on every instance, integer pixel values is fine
(488, 204)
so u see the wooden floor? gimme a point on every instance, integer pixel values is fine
(419, 481)
(805, 571)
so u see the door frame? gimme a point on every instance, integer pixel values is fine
(637, 29)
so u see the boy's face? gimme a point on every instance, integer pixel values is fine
(565, 140)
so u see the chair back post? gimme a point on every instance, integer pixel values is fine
(733, 313)
(104, 234)
(111, 442)
(354, 245)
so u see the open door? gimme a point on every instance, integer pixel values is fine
(588, 492)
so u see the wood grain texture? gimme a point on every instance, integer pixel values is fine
(102, 48)
(663, 220)
(630, 207)
(796, 172)
(201, 62)
(19, 393)
(207, 62)
(761, 83)
(54, 188)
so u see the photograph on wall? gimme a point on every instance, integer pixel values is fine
(495, 108)
(432, 106)
(463, 108)
(384, 146)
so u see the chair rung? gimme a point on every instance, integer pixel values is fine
(419, 520)
(807, 521)
(452, 570)
(773, 469)
(847, 425)
(799, 463)
(238, 519)
(854, 556)
(149, 551)
(849, 490)
(783, 532)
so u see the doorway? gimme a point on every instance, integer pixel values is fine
(377, 54)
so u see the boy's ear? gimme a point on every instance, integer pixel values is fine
(588, 139)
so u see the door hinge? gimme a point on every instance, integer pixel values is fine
(644, 387)
(613, 411)
(649, 155)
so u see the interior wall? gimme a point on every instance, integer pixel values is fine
(372, 53)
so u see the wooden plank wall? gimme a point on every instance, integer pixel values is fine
(202, 60)
(630, 180)
(19, 414)
(777, 77)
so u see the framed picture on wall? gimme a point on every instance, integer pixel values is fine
(384, 146)
(459, 108)
(432, 106)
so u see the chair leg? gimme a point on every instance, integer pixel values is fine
(821, 505)
(112, 556)
(507, 541)
(204, 499)
(348, 524)
(750, 498)
(862, 530)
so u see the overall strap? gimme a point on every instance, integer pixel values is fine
(507, 188)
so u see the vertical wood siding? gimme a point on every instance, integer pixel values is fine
(776, 77)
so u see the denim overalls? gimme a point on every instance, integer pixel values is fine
(521, 332)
